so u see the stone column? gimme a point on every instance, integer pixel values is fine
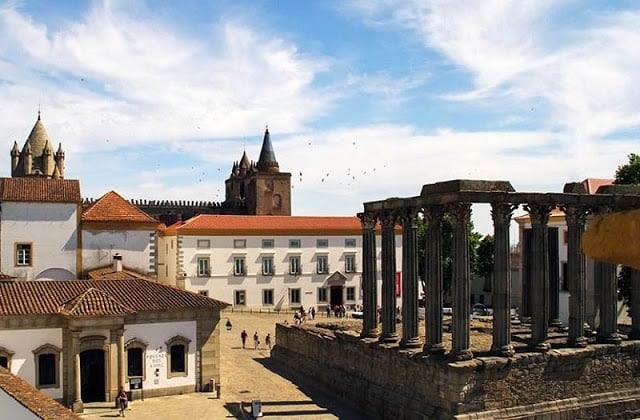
(410, 337)
(525, 303)
(554, 277)
(608, 329)
(635, 304)
(78, 406)
(122, 369)
(369, 286)
(389, 334)
(461, 277)
(576, 273)
(539, 214)
(501, 214)
(433, 279)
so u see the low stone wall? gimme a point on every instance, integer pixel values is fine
(600, 381)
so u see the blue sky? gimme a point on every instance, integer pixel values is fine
(367, 99)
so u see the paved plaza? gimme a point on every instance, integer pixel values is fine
(247, 374)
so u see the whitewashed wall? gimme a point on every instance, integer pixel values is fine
(222, 284)
(23, 343)
(52, 230)
(12, 409)
(99, 246)
(155, 335)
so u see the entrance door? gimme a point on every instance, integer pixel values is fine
(92, 375)
(336, 296)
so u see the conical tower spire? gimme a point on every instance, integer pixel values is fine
(267, 161)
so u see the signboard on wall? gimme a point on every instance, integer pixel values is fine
(398, 284)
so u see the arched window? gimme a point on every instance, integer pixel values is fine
(136, 350)
(47, 361)
(177, 352)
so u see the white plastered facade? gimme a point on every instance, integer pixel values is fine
(52, 231)
(222, 283)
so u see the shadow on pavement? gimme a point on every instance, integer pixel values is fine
(331, 403)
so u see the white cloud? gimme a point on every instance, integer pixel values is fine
(111, 76)
(589, 76)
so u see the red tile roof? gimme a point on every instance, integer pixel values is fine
(592, 184)
(108, 273)
(111, 207)
(94, 302)
(40, 190)
(272, 225)
(46, 297)
(34, 400)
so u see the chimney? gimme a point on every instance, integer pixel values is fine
(117, 263)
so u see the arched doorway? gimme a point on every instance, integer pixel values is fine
(92, 375)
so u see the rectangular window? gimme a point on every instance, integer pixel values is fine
(203, 244)
(267, 296)
(294, 265)
(203, 292)
(294, 243)
(322, 294)
(267, 243)
(349, 263)
(323, 264)
(47, 369)
(177, 358)
(322, 243)
(203, 267)
(267, 266)
(238, 266)
(134, 361)
(240, 297)
(294, 295)
(23, 254)
(349, 243)
(351, 293)
(239, 243)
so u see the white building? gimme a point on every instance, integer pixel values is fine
(274, 262)
(111, 226)
(39, 228)
(557, 221)
(79, 340)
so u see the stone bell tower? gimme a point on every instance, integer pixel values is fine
(260, 186)
(37, 158)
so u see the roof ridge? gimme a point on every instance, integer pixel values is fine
(72, 306)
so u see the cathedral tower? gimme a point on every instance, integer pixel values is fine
(37, 158)
(261, 186)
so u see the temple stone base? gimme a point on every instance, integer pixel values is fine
(599, 381)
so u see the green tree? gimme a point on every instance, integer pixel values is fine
(475, 238)
(628, 173)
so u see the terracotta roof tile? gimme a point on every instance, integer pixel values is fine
(40, 190)
(34, 400)
(111, 207)
(108, 273)
(592, 184)
(45, 297)
(275, 225)
(94, 302)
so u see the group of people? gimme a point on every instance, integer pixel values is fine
(256, 339)
(300, 316)
(340, 311)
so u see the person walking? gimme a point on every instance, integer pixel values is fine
(267, 340)
(256, 340)
(243, 337)
(122, 400)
